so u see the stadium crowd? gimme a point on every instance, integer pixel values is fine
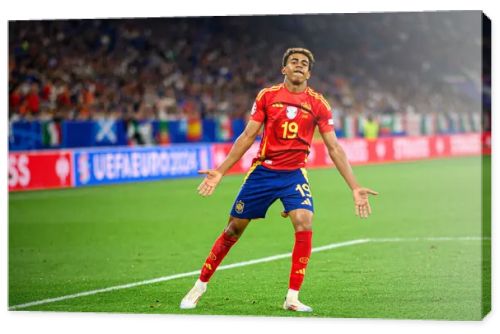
(171, 68)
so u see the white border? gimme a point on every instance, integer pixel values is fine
(41, 322)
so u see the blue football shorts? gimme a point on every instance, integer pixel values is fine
(263, 186)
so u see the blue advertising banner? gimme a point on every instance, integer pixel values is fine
(99, 133)
(108, 132)
(93, 133)
(25, 135)
(118, 165)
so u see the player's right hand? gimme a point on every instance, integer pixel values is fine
(212, 179)
(361, 203)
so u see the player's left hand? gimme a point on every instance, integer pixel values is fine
(212, 179)
(361, 203)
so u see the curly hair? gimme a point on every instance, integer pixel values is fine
(303, 51)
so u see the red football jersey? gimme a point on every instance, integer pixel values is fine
(289, 121)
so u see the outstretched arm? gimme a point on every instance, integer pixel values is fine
(240, 146)
(339, 158)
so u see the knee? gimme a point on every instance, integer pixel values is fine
(233, 231)
(235, 227)
(303, 221)
(303, 226)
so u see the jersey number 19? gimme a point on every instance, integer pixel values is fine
(290, 130)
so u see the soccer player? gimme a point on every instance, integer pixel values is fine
(289, 113)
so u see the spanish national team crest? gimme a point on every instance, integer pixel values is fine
(291, 112)
(239, 206)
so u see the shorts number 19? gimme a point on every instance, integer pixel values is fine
(304, 190)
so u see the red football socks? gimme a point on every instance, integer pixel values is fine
(300, 257)
(219, 250)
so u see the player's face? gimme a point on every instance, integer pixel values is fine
(297, 68)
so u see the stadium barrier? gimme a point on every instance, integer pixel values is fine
(83, 167)
(382, 150)
(51, 134)
(31, 170)
(40, 170)
(24, 135)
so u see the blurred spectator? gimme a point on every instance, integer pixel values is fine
(370, 128)
(194, 68)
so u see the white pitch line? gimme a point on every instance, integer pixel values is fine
(230, 266)
(171, 277)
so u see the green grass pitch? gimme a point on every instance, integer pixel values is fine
(70, 241)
